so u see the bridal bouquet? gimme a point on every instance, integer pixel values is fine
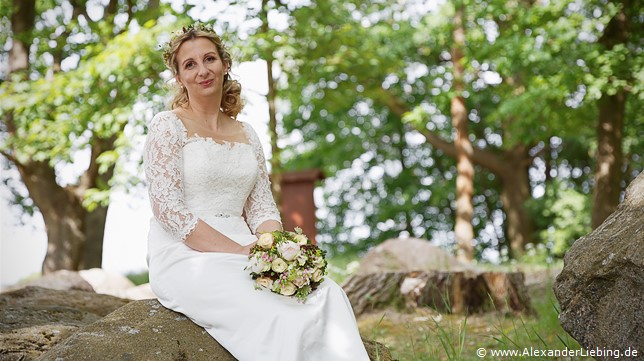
(287, 263)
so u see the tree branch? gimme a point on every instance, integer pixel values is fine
(89, 178)
(10, 157)
(482, 157)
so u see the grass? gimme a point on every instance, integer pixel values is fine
(424, 334)
(139, 278)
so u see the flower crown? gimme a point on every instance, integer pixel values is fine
(197, 26)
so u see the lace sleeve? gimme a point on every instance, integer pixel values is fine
(260, 205)
(163, 163)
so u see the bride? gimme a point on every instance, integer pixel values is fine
(205, 169)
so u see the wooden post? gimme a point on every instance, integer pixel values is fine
(297, 204)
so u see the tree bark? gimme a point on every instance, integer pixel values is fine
(62, 213)
(514, 195)
(22, 21)
(463, 229)
(610, 131)
(455, 292)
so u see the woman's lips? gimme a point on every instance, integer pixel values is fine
(206, 83)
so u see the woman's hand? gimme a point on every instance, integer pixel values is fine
(246, 249)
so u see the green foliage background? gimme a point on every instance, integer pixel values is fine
(533, 77)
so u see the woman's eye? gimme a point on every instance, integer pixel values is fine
(210, 59)
(190, 65)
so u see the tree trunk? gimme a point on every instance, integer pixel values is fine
(515, 193)
(94, 225)
(65, 236)
(610, 131)
(276, 162)
(454, 292)
(62, 213)
(400, 148)
(74, 235)
(608, 171)
(463, 229)
(22, 22)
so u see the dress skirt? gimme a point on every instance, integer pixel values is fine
(215, 292)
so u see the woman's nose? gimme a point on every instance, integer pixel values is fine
(202, 70)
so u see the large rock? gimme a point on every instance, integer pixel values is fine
(105, 282)
(33, 319)
(145, 330)
(409, 254)
(93, 280)
(141, 330)
(61, 280)
(115, 284)
(601, 287)
(46, 324)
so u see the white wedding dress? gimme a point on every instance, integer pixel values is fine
(191, 178)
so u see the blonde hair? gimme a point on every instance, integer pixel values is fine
(231, 103)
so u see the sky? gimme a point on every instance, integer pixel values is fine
(23, 246)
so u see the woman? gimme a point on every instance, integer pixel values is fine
(204, 169)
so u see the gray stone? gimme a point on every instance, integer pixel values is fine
(44, 324)
(601, 287)
(115, 284)
(61, 280)
(105, 282)
(33, 319)
(145, 330)
(410, 254)
(141, 330)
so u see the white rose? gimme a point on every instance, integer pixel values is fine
(264, 282)
(317, 275)
(319, 262)
(301, 239)
(288, 289)
(257, 265)
(288, 250)
(265, 241)
(279, 265)
(302, 258)
(300, 281)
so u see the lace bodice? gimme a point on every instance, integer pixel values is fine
(197, 177)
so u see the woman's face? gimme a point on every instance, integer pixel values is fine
(201, 70)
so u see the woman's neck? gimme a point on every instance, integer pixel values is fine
(207, 114)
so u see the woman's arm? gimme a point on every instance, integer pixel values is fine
(269, 226)
(163, 163)
(207, 239)
(261, 212)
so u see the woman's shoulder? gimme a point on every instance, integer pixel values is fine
(164, 116)
(250, 131)
(166, 119)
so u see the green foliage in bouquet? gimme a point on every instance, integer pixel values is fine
(287, 263)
